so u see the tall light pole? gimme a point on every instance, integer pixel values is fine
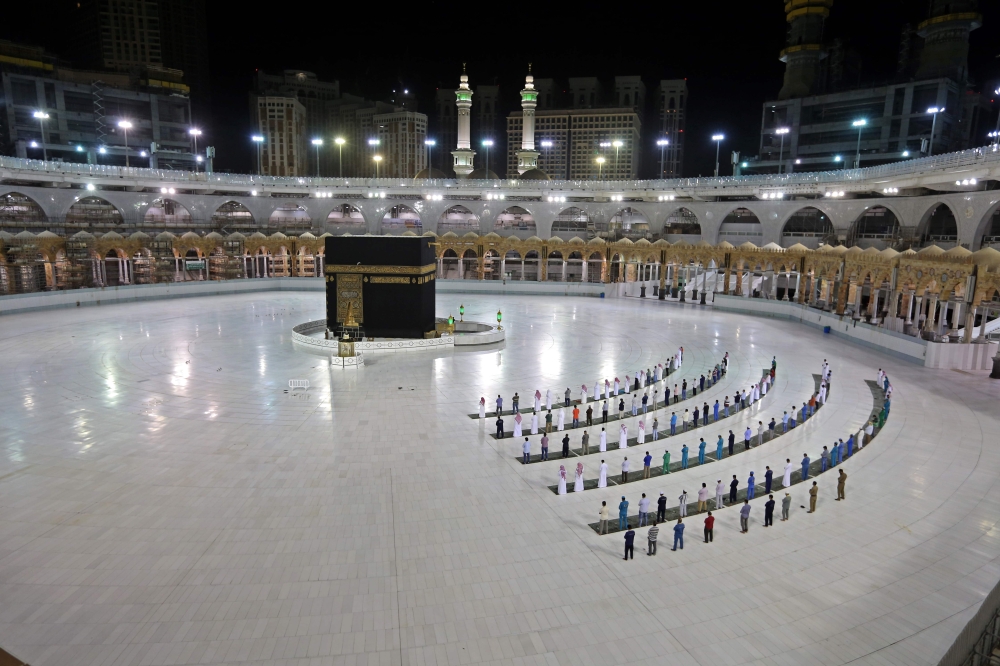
(487, 143)
(545, 144)
(258, 139)
(195, 133)
(376, 159)
(860, 124)
(838, 159)
(617, 145)
(781, 131)
(430, 143)
(600, 167)
(126, 126)
(717, 138)
(340, 156)
(42, 117)
(317, 143)
(934, 111)
(662, 143)
(997, 132)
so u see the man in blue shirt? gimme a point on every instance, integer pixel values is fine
(850, 446)
(673, 423)
(701, 452)
(684, 457)
(768, 475)
(784, 422)
(751, 486)
(805, 467)
(718, 448)
(679, 534)
(623, 514)
(716, 412)
(646, 462)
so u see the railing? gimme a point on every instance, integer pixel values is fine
(966, 158)
(975, 644)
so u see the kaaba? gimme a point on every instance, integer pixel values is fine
(385, 284)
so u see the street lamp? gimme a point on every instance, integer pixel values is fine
(317, 143)
(126, 126)
(487, 143)
(340, 157)
(997, 133)
(781, 131)
(258, 139)
(934, 111)
(717, 138)
(838, 159)
(430, 143)
(662, 143)
(461, 312)
(860, 124)
(617, 145)
(376, 159)
(600, 167)
(42, 117)
(546, 144)
(195, 133)
(499, 318)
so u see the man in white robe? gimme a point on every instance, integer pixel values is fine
(641, 435)
(682, 504)
(787, 480)
(602, 480)
(597, 390)
(607, 388)
(578, 484)
(623, 437)
(617, 385)
(562, 479)
(604, 441)
(534, 423)
(538, 400)
(562, 420)
(482, 408)
(517, 425)
(548, 399)
(720, 490)
(583, 394)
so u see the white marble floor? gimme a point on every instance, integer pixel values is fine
(164, 501)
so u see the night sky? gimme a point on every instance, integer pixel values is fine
(728, 51)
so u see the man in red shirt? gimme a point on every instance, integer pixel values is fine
(576, 417)
(709, 525)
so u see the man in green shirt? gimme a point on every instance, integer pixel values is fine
(666, 462)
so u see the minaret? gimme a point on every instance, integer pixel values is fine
(527, 157)
(946, 40)
(463, 153)
(805, 47)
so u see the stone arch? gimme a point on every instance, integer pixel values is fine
(571, 220)
(515, 219)
(938, 226)
(459, 219)
(399, 219)
(807, 226)
(876, 227)
(629, 222)
(681, 222)
(346, 218)
(740, 225)
(988, 234)
(233, 216)
(19, 212)
(595, 267)
(167, 213)
(289, 215)
(93, 214)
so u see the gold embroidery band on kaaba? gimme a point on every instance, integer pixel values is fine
(384, 270)
(398, 279)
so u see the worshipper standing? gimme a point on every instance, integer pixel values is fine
(656, 428)
(733, 487)
(679, 534)
(516, 402)
(770, 429)
(704, 414)
(578, 484)
(548, 399)
(823, 460)
(745, 517)
(840, 451)
(684, 457)
(666, 462)
(697, 414)
(605, 412)
(784, 422)
(499, 405)
(623, 513)
(640, 437)
(732, 442)
(813, 492)
(643, 510)
(607, 388)
(684, 390)
(646, 462)
(718, 448)
(560, 424)
(715, 411)
(720, 489)
(869, 431)
(565, 443)
(725, 407)
(583, 394)
(567, 397)
(768, 477)
(760, 433)
(602, 479)
(805, 467)
(562, 479)
(590, 415)
(617, 385)
(585, 442)
(751, 486)
(623, 437)
(534, 423)
(661, 508)
(841, 480)
(526, 450)
(499, 428)
(603, 446)
(709, 527)
(597, 388)
(746, 439)
(702, 497)
(769, 511)
(682, 506)
(482, 408)
(786, 505)
(629, 542)
(625, 466)
(685, 420)
(604, 517)
(548, 422)
(673, 423)
(787, 480)
(538, 400)
(850, 445)
(701, 451)
(621, 408)
(635, 408)
(645, 401)
(517, 425)
(576, 417)
(651, 535)
(545, 447)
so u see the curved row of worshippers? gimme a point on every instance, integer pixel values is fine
(648, 403)
(673, 426)
(645, 468)
(806, 469)
(642, 378)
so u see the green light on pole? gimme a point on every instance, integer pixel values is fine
(461, 312)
